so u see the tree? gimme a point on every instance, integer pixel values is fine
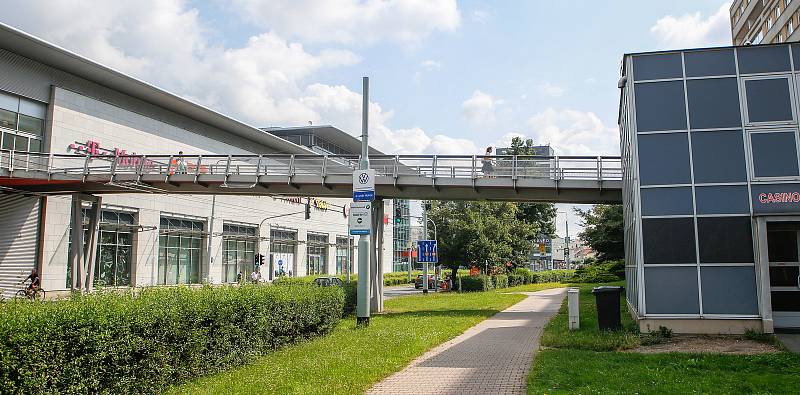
(604, 230)
(481, 233)
(541, 214)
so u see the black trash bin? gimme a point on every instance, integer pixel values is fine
(607, 300)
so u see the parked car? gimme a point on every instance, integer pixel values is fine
(431, 282)
(329, 282)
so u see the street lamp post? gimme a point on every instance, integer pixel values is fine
(566, 239)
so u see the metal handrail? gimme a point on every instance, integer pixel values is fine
(517, 167)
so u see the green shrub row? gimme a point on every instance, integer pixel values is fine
(600, 272)
(143, 343)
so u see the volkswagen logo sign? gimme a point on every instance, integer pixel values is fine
(363, 178)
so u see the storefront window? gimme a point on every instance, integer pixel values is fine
(317, 253)
(283, 243)
(343, 256)
(113, 260)
(180, 243)
(238, 251)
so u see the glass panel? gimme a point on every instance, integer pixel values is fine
(667, 201)
(657, 66)
(32, 109)
(707, 63)
(8, 119)
(713, 103)
(184, 267)
(36, 145)
(162, 264)
(785, 300)
(184, 242)
(671, 290)
(196, 242)
(668, 240)
(768, 100)
(782, 245)
(108, 237)
(109, 217)
(21, 143)
(763, 59)
(194, 257)
(173, 241)
(725, 239)
(726, 199)
(104, 269)
(122, 274)
(783, 276)
(9, 102)
(718, 157)
(31, 125)
(664, 159)
(796, 56)
(8, 141)
(774, 154)
(660, 106)
(172, 266)
(126, 218)
(729, 290)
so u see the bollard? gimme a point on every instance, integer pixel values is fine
(572, 304)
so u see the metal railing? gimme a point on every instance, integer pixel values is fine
(600, 168)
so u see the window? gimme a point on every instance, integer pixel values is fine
(238, 251)
(718, 156)
(317, 253)
(179, 256)
(713, 103)
(729, 290)
(282, 245)
(667, 201)
(668, 240)
(774, 154)
(671, 290)
(343, 256)
(709, 63)
(768, 100)
(660, 106)
(769, 23)
(21, 125)
(657, 66)
(725, 239)
(722, 199)
(763, 59)
(664, 159)
(790, 27)
(113, 259)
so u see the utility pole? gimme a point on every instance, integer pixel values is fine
(362, 305)
(425, 237)
(566, 241)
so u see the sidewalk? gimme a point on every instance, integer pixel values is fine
(493, 357)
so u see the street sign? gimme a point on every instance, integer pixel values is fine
(427, 251)
(360, 220)
(364, 185)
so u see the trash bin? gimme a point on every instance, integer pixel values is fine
(607, 300)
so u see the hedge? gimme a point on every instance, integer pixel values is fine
(476, 283)
(500, 281)
(600, 272)
(120, 343)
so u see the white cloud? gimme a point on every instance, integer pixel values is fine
(573, 132)
(550, 89)
(265, 82)
(430, 64)
(479, 108)
(353, 21)
(692, 30)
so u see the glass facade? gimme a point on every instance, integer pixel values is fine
(21, 127)
(316, 253)
(344, 254)
(114, 248)
(239, 243)
(180, 251)
(282, 247)
(402, 234)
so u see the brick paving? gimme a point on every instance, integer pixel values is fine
(493, 357)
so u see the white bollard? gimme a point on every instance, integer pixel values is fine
(572, 306)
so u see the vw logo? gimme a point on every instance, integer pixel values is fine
(363, 178)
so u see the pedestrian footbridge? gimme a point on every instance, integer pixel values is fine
(567, 179)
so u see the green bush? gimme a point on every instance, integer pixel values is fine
(120, 343)
(552, 276)
(399, 278)
(600, 272)
(477, 283)
(500, 281)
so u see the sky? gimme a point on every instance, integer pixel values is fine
(446, 76)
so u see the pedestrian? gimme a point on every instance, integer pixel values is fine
(180, 163)
(487, 166)
(255, 276)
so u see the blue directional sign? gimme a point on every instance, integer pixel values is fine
(363, 196)
(426, 251)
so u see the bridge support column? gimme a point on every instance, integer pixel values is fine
(376, 257)
(83, 260)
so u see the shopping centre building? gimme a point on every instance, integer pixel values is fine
(54, 101)
(711, 182)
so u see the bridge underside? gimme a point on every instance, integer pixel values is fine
(408, 187)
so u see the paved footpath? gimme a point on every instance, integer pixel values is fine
(493, 357)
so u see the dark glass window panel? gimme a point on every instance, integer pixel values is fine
(796, 56)
(783, 276)
(21, 143)
(36, 145)
(668, 240)
(109, 217)
(782, 245)
(768, 100)
(763, 59)
(31, 125)
(774, 154)
(126, 218)
(664, 159)
(713, 103)
(8, 141)
(723, 199)
(718, 157)
(660, 106)
(671, 290)
(708, 63)
(785, 300)
(725, 239)
(667, 201)
(8, 119)
(657, 66)
(729, 290)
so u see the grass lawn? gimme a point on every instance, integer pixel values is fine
(350, 360)
(532, 287)
(589, 361)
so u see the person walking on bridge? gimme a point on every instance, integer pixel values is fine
(487, 165)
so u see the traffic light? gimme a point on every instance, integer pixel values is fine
(398, 215)
(308, 208)
(427, 205)
(260, 259)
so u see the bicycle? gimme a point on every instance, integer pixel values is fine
(31, 293)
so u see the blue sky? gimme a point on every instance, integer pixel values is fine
(447, 76)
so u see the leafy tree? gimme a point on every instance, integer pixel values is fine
(604, 230)
(541, 214)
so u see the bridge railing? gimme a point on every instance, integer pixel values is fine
(600, 168)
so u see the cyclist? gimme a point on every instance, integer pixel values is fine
(35, 281)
